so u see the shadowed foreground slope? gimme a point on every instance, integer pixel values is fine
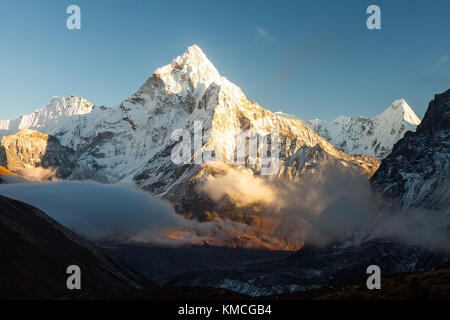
(36, 251)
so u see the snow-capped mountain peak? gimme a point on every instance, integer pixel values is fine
(192, 68)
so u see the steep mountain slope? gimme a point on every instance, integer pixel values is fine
(36, 252)
(375, 136)
(132, 141)
(417, 172)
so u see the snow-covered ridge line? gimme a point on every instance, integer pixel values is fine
(60, 116)
(57, 108)
(74, 120)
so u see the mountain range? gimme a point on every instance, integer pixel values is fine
(131, 142)
(404, 161)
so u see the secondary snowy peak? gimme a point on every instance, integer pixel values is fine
(400, 110)
(375, 136)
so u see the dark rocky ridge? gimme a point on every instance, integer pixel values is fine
(437, 116)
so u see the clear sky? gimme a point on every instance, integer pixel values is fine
(314, 59)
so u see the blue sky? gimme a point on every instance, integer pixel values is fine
(314, 59)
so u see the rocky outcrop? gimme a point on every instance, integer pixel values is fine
(31, 149)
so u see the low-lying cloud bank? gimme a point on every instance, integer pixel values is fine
(38, 174)
(96, 210)
(317, 209)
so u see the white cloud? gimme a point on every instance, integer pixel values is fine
(442, 59)
(262, 33)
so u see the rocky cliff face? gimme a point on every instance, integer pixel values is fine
(31, 149)
(417, 172)
(375, 136)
